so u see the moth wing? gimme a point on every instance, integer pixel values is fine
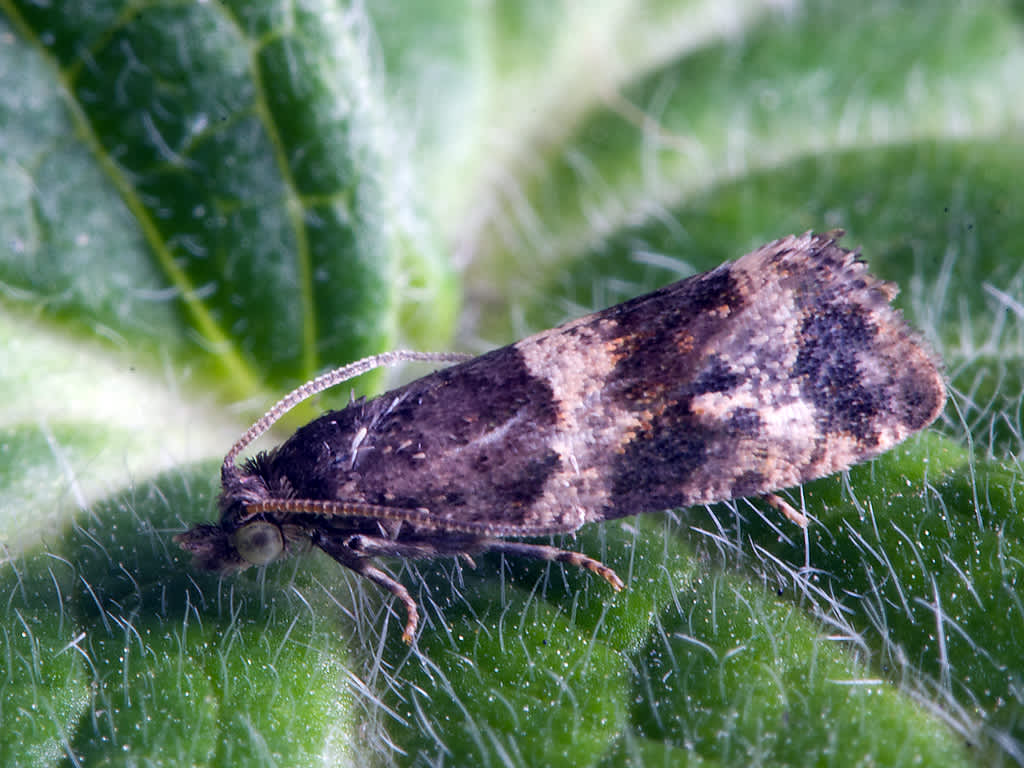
(786, 365)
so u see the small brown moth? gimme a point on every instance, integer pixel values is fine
(781, 367)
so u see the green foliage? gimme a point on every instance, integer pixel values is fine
(207, 203)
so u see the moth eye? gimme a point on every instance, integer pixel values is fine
(259, 542)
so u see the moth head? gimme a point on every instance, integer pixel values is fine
(244, 536)
(214, 548)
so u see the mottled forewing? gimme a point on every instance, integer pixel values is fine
(783, 366)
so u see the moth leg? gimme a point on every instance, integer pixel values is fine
(361, 564)
(377, 576)
(553, 554)
(781, 505)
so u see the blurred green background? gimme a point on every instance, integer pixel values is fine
(205, 204)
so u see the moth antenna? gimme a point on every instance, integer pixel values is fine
(326, 381)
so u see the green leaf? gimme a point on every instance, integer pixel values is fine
(208, 203)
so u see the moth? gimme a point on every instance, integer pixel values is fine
(783, 366)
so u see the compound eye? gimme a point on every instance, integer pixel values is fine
(259, 542)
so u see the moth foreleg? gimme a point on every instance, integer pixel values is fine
(553, 554)
(363, 565)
